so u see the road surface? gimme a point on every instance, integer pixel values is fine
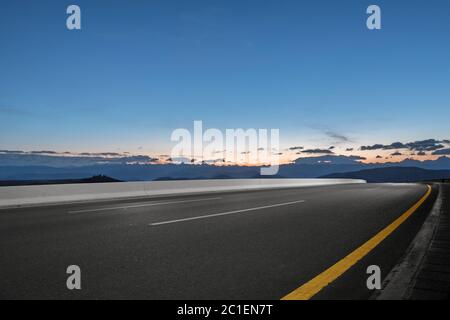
(235, 245)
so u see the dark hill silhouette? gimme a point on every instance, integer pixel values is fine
(393, 174)
(94, 179)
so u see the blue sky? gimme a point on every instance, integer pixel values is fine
(139, 69)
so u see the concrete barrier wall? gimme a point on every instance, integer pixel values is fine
(50, 194)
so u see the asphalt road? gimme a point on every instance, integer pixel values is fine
(237, 245)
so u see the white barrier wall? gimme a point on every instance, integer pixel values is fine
(50, 194)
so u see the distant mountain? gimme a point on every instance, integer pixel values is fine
(309, 167)
(94, 179)
(127, 172)
(442, 163)
(195, 178)
(393, 174)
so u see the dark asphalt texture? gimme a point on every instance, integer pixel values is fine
(259, 254)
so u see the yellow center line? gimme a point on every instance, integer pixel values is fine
(312, 287)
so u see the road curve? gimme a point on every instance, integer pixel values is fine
(235, 245)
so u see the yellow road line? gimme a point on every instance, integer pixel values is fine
(312, 287)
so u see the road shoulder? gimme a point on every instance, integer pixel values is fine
(424, 271)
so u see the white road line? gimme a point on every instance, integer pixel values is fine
(225, 213)
(143, 205)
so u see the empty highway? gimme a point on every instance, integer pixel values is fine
(234, 245)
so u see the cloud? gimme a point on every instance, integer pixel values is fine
(349, 149)
(435, 147)
(331, 148)
(421, 153)
(108, 154)
(426, 145)
(11, 151)
(138, 158)
(379, 157)
(295, 148)
(44, 152)
(337, 136)
(330, 159)
(180, 160)
(373, 147)
(395, 154)
(357, 157)
(67, 153)
(213, 161)
(421, 145)
(318, 151)
(442, 152)
(395, 145)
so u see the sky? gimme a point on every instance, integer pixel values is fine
(137, 70)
